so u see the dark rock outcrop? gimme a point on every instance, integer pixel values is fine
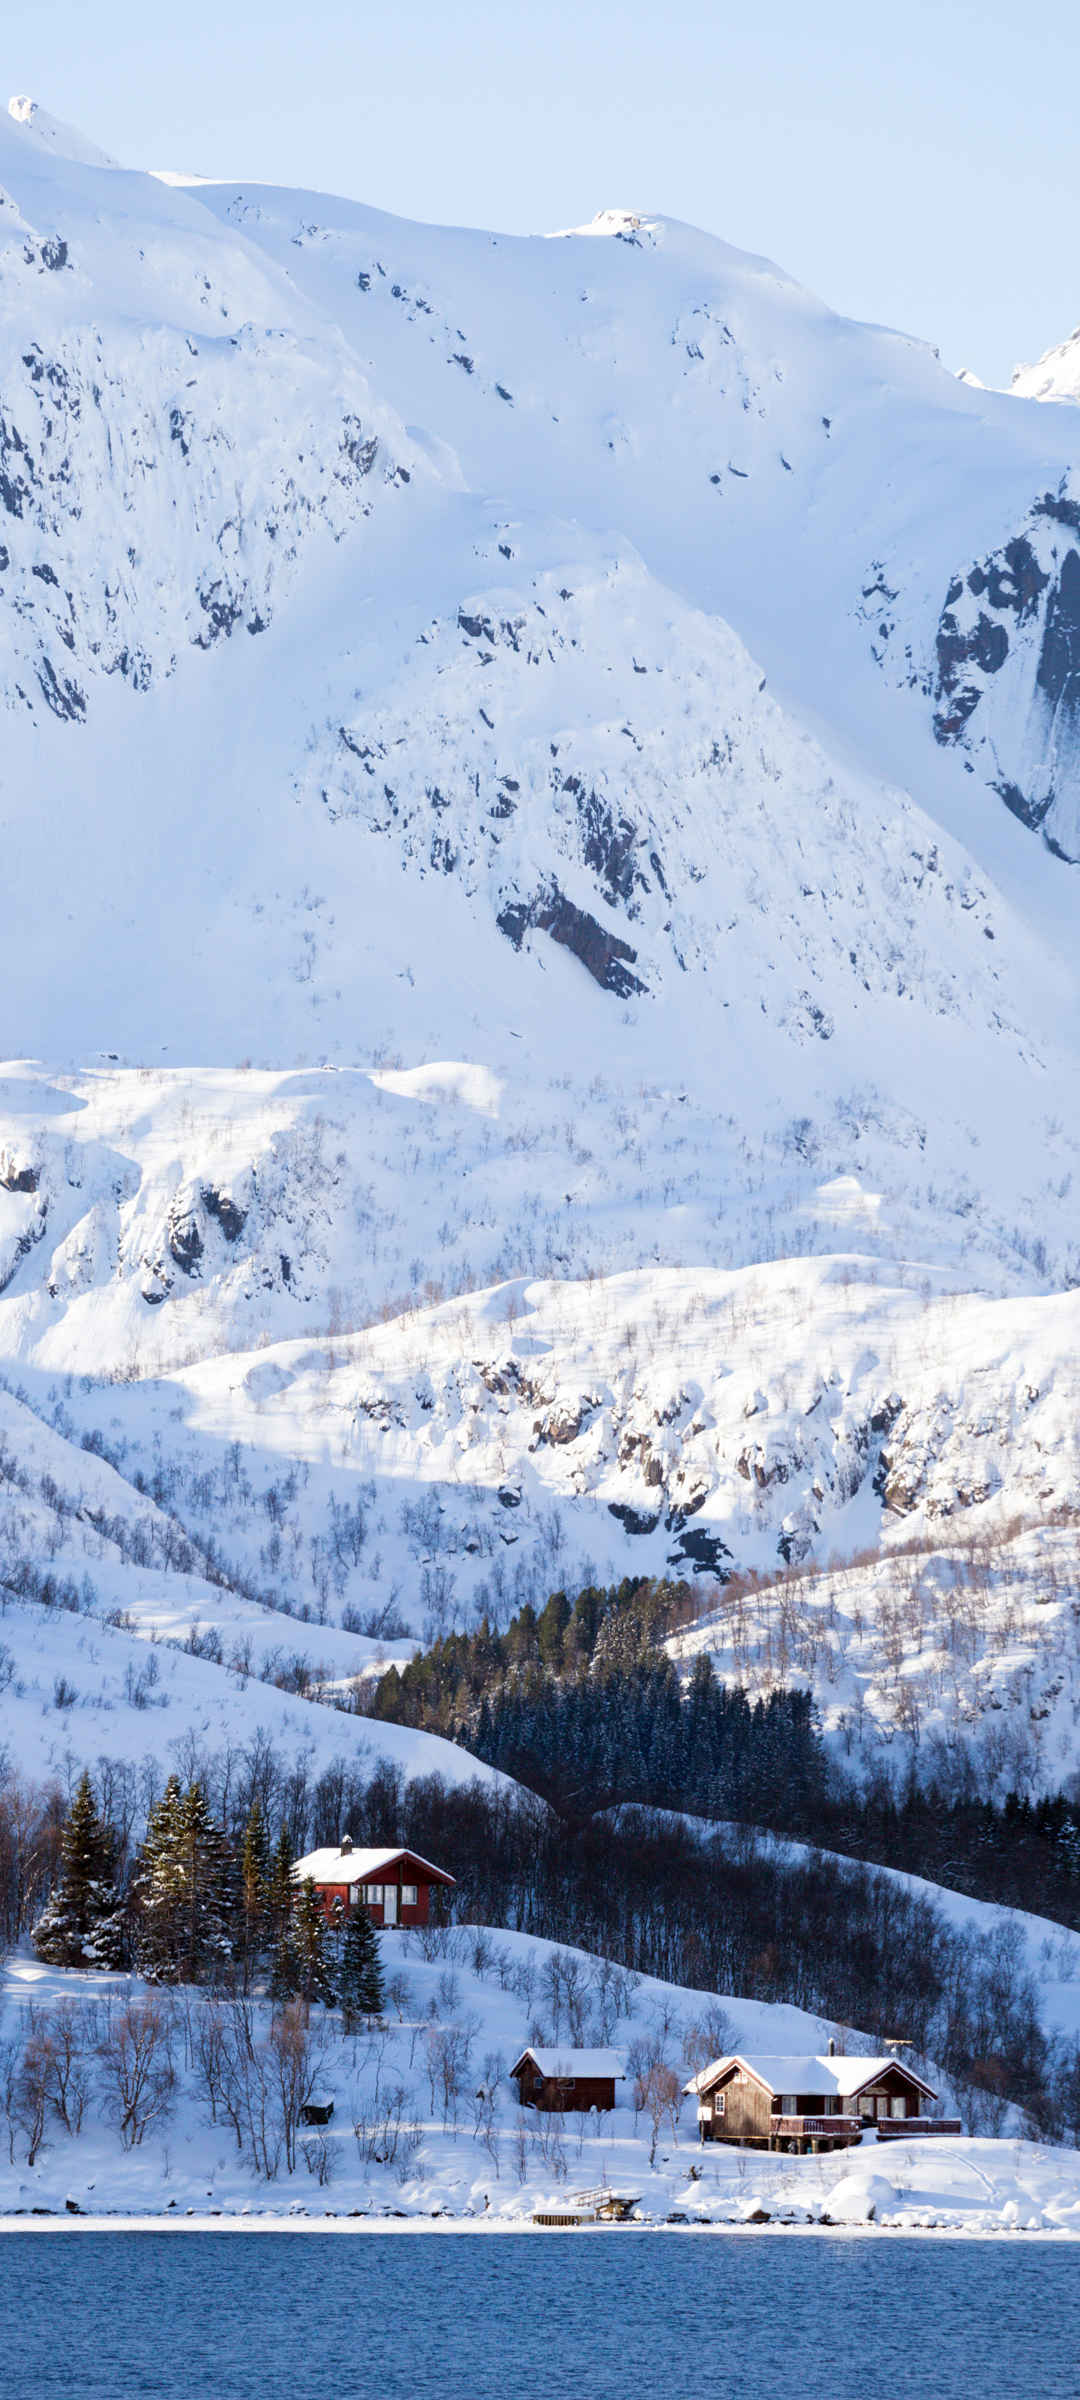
(605, 957)
(704, 1553)
(231, 1219)
(1019, 608)
(632, 1520)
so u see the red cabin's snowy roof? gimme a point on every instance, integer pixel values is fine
(342, 1863)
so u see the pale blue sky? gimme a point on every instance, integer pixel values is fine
(916, 164)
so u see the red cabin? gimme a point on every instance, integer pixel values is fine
(557, 2081)
(393, 1885)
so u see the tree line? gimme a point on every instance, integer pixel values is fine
(581, 1702)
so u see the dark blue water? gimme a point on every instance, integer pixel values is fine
(617, 2316)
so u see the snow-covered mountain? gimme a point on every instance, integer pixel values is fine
(1054, 376)
(539, 802)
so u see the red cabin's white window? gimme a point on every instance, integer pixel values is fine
(409, 1895)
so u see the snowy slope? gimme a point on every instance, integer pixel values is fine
(485, 1991)
(122, 1638)
(514, 692)
(493, 647)
(741, 1428)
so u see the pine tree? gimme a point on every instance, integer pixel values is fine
(155, 1887)
(210, 1890)
(184, 1891)
(281, 1896)
(315, 1975)
(83, 1923)
(361, 1981)
(285, 1969)
(254, 1889)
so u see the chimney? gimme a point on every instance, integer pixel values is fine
(832, 2047)
(346, 1844)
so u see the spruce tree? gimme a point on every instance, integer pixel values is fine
(209, 1891)
(361, 1981)
(281, 1897)
(254, 1889)
(285, 1969)
(82, 1924)
(184, 1891)
(154, 1888)
(315, 1975)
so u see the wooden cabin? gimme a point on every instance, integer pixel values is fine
(561, 2080)
(767, 2103)
(395, 1886)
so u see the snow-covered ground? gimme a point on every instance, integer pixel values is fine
(468, 2159)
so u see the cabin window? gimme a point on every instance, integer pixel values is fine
(866, 2105)
(789, 2104)
(373, 1894)
(408, 1895)
(718, 2104)
(899, 2108)
(882, 2105)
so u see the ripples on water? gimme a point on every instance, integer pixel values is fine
(619, 2316)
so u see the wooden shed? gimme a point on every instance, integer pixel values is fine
(561, 2080)
(395, 1886)
(787, 2103)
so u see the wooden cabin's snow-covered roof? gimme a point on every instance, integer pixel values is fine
(843, 2076)
(584, 2066)
(343, 1863)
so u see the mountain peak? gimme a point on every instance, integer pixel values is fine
(65, 141)
(626, 222)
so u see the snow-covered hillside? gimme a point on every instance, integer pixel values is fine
(739, 1429)
(516, 647)
(519, 774)
(425, 2121)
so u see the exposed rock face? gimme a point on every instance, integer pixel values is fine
(230, 1218)
(1007, 683)
(96, 403)
(15, 1178)
(604, 955)
(185, 1240)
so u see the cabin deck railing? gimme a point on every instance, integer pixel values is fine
(816, 2126)
(892, 2129)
